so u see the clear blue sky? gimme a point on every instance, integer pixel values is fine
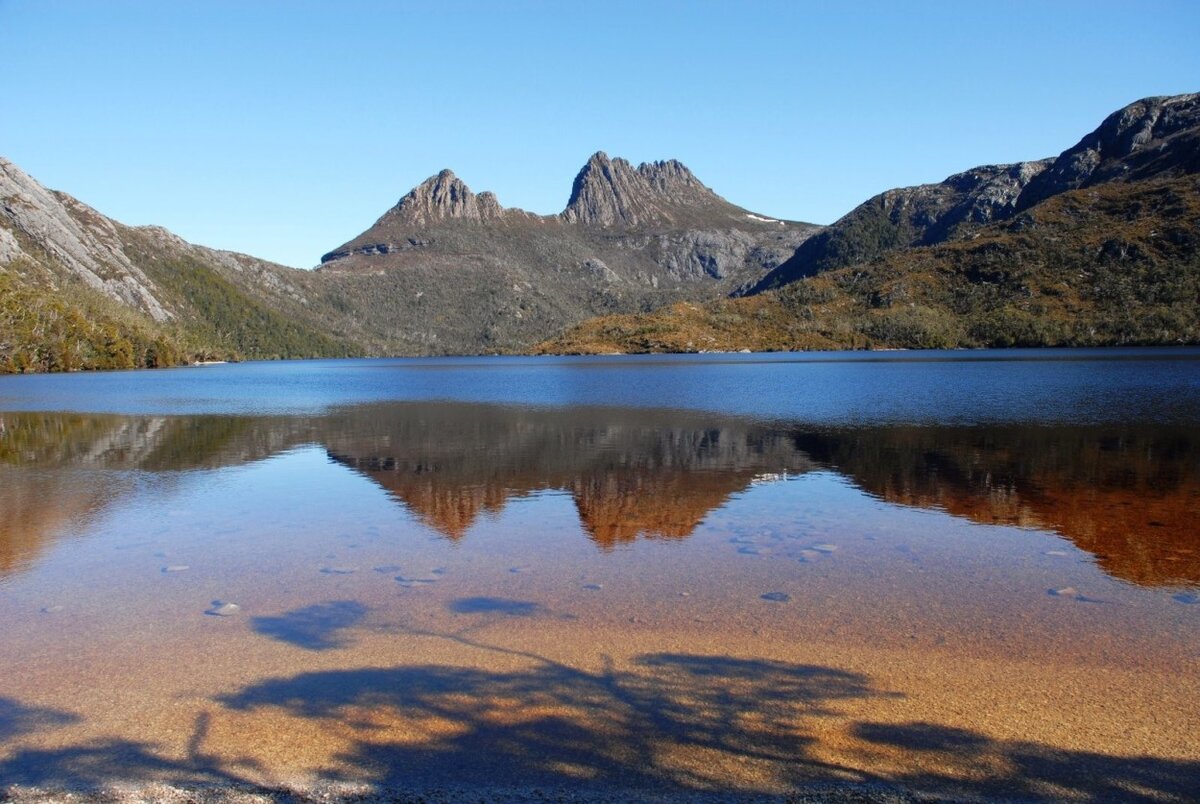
(283, 129)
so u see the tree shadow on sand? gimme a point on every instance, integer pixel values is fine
(971, 765)
(17, 718)
(663, 724)
(558, 726)
(676, 723)
(318, 627)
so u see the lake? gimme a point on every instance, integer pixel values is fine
(969, 574)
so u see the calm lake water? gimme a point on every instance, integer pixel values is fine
(973, 574)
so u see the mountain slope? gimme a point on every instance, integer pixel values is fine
(1096, 246)
(80, 290)
(1114, 264)
(447, 270)
(1151, 138)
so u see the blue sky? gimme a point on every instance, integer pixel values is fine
(283, 129)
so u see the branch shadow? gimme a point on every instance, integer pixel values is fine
(557, 726)
(315, 627)
(16, 718)
(664, 724)
(95, 765)
(973, 765)
(496, 605)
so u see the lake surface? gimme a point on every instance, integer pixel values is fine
(971, 574)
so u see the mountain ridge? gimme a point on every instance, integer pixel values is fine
(1155, 137)
(1097, 245)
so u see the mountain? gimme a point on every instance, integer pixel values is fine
(1151, 138)
(447, 270)
(1095, 246)
(1098, 246)
(80, 290)
(908, 217)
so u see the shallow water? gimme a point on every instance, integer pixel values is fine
(963, 575)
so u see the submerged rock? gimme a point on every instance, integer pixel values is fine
(221, 608)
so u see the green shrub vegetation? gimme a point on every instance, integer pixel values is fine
(1117, 264)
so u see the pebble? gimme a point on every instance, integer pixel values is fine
(222, 609)
(685, 594)
(1055, 553)
(777, 597)
(595, 587)
(1064, 591)
(175, 568)
(51, 609)
(522, 568)
(412, 580)
(339, 570)
(825, 548)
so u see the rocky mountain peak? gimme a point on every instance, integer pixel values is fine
(442, 197)
(1157, 136)
(612, 192)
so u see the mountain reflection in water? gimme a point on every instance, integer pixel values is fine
(1129, 495)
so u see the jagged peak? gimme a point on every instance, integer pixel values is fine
(445, 196)
(612, 192)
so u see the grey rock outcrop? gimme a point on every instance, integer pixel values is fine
(442, 197)
(612, 192)
(76, 236)
(1152, 137)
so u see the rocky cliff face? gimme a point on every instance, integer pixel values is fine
(612, 192)
(445, 196)
(81, 290)
(36, 223)
(1151, 138)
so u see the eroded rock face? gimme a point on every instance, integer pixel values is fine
(1157, 136)
(443, 197)
(77, 236)
(10, 249)
(612, 192)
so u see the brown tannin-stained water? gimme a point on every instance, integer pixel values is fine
(235, 577)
